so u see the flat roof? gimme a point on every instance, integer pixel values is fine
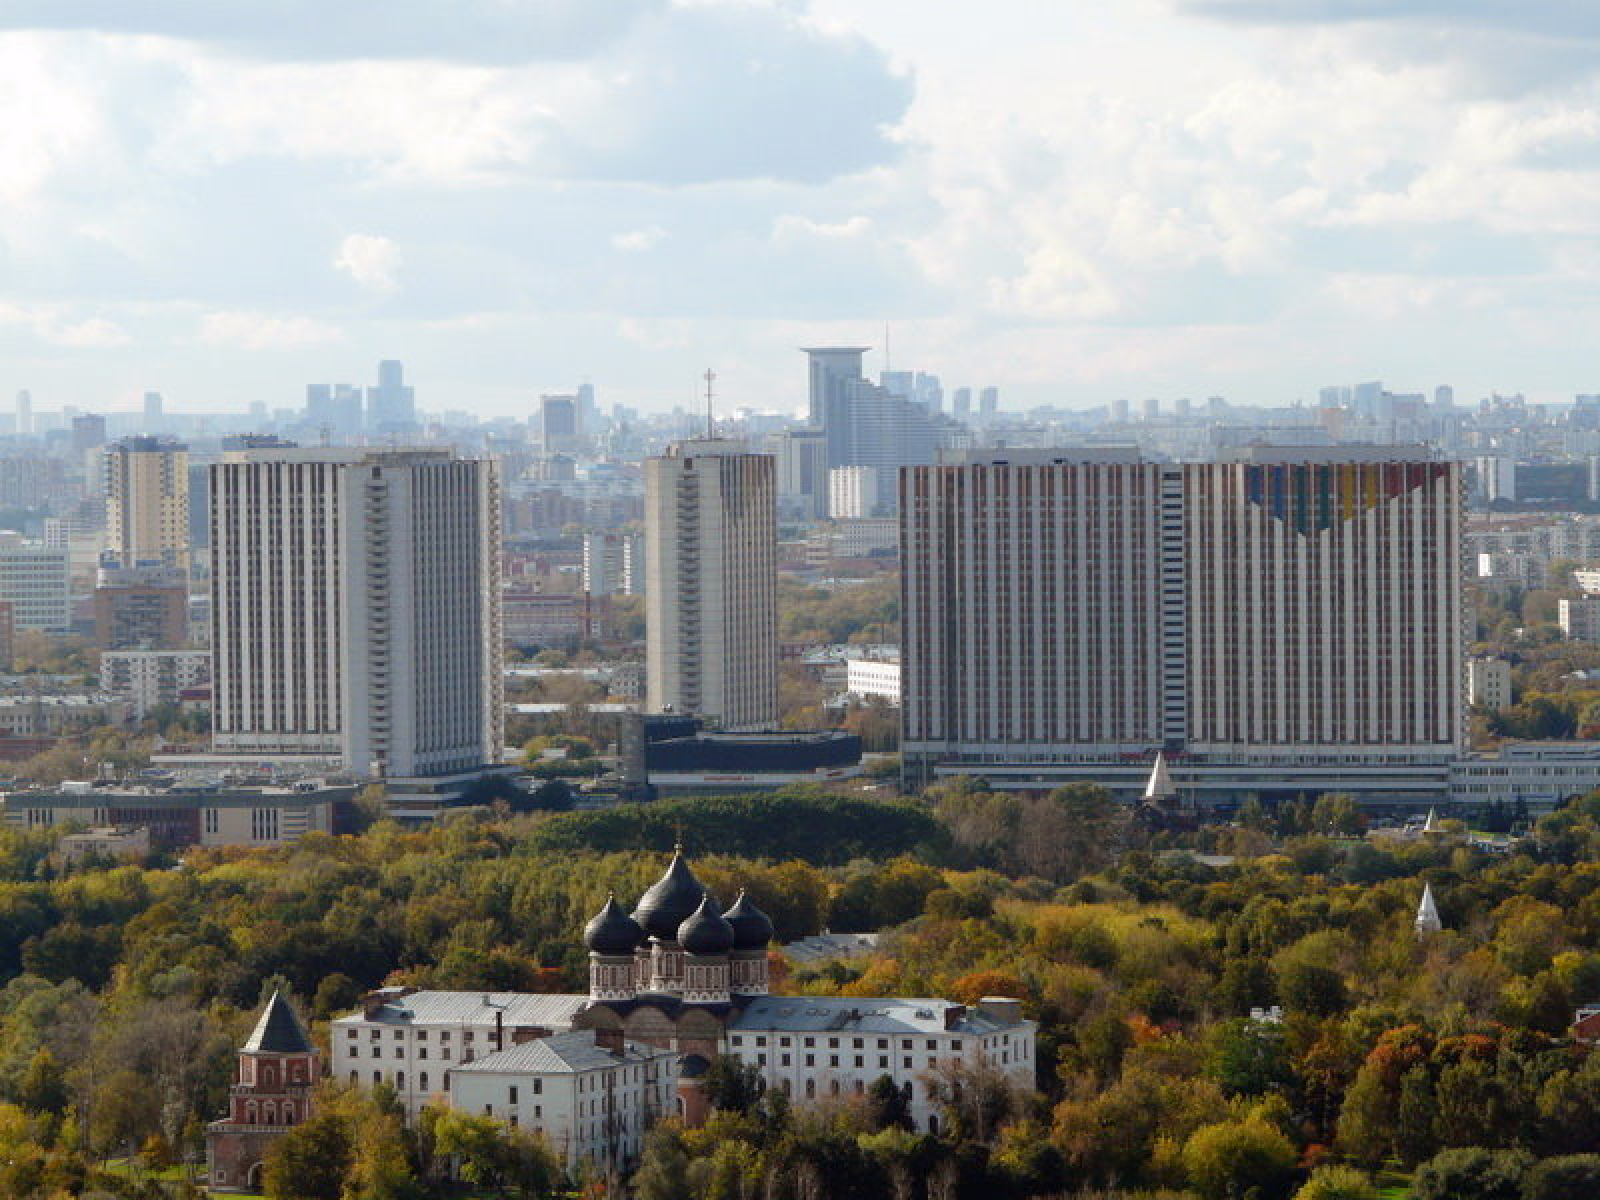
(551, 1011)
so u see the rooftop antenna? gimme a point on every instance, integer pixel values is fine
(711, 426)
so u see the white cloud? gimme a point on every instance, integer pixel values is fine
(55, 325)
(636, 241)
(371, 260)
(258, 331)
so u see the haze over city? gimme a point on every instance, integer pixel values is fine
(1080, 202)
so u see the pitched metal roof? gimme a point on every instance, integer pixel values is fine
(561, 1054)
(832, 1014)
(278, 1031)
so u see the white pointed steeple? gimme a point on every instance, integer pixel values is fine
(1431, 825)
(1428, 913)
(1159, 789)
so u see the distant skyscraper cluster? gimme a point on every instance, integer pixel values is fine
(342, 412)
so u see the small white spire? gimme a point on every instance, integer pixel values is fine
(1428, 913)
(1159, 787)
(1431, 825)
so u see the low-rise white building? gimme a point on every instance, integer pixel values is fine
(51, 716)
(593, 1103)
(106, 843)
(815, 1047)
(412, 1039)
(868, 677)
(1540, 774)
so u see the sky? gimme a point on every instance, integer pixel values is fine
(1073, 200)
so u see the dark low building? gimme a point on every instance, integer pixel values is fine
(187, 816)
(672, 753)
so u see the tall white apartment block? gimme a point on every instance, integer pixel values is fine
(613, 563)
(1290, 611)
(711, 570)
(355, 608)
(852, 493)
(147, 502)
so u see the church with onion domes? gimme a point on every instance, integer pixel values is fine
(675, 973)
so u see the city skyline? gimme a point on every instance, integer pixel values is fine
(1179, 197)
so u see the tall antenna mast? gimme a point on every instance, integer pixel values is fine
(711, 425)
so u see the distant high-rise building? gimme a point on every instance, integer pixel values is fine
(961, 401)
(1152, 408)
(88, 431)
(356, 608)
(147, 502)
(833, 369)
(988, 403)
(153, 414)
(1119, 412)
(613, 563)
(1292, 617)
(1497, 477)
(392, 405)
(802, 473)
(334, 411)
(852, 493)
(711, 596)
(558, 423)
(588, 418)
(1367, 398)
(1444, 396)
(24, 412)
(865, 425)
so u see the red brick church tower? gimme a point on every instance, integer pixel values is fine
(278, 1067)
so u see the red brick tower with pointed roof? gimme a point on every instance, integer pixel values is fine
(278, 1067)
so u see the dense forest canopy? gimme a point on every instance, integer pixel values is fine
(125, 989)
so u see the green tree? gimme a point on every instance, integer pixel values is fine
(1230, 1159)
(1249, 1057)
(731, 1085)
(1471, 1173)
(1574, 1177)
(664, 1165)
(1337, 1183)
(310, 1161)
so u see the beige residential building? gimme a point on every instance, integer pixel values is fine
(712, 592)
(147, 502)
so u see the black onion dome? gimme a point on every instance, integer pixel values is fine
(612, 931)
(752, 928)
(670, 901)
(705, 932)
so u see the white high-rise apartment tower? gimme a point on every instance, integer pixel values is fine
(1288, 620)
(712, 584)
(355, 608)
(147, 502)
